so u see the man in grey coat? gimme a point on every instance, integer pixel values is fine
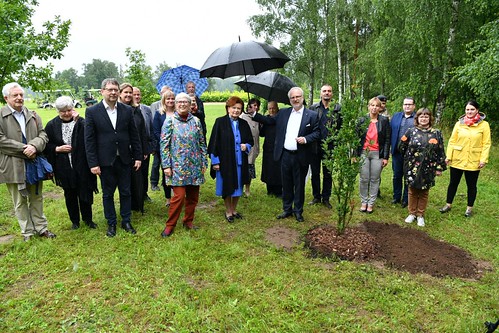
(22, 138)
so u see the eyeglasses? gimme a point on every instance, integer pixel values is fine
(183, 102)
(111, 90)
(295, 97)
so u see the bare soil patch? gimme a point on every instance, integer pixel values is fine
(391, 245)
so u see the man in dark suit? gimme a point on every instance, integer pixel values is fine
(112, 145)
(296, 129)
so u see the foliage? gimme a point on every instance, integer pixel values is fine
(138, 74)
(223, 96)
(481, 73)
(20, 44)
(342, 161)
(98, 70)
(394, 47)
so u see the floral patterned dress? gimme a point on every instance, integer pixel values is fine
(424, 155)
(183, 149)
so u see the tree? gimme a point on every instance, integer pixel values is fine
(343, 163)
(138, 74)
(97, 71)
(20, 44)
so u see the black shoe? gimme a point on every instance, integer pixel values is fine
(76, 225)
(299, 217)
(404, 204)
(111, 231)
(47, 234)
(91, 225)
(468, 213)
(237, 215)
(229, 219)
(284, 215)
(315, 201)
(327, 204)
(128, 228)
(395, 201)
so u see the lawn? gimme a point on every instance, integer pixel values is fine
(229, 278)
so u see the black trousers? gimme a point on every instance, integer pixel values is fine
(117, 175)
(471, 181)
(75, 205)
(293, 183)
(327, 180)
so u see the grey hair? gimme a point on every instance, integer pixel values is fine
(182, 95)
(295, 88)
(9, 86)
(111, 81)
(63, 102)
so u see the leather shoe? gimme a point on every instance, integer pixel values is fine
(468, 213)
(299, 217)
(111, 231)
(327, 204)
(284, 215)
(315, 201)
(237, 215)
(91, 225)
(445, 209)
(167, 232)
(229, 218)
(47, 234)
(395, 201)
(128, 228)
(75, 225)
(404, 204)
(190, 226)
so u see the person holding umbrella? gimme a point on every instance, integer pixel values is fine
(271, 170)
(230, 144)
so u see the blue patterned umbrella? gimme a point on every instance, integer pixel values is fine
(176, 78)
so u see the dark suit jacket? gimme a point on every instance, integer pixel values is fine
(102, 141)
(309, 129)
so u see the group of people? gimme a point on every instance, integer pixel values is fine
(418, 155)
(118, 135)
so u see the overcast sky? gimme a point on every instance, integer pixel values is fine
(171, 31)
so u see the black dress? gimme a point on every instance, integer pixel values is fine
(271, 170)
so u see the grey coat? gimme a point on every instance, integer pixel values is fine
(12, 168)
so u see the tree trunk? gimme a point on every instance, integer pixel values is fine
(441, 98)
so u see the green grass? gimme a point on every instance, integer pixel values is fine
(229, 278)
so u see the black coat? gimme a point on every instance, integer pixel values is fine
(222, 145)
(271, 170)
(79, 175)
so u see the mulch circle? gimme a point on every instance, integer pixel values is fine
(403, 248)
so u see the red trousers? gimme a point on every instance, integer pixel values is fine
(418, 200)
(183, 195)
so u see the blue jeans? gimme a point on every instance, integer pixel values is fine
(398, 178)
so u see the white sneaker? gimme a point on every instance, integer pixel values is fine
(410, 218)
(420, 221)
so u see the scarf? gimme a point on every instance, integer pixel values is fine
(473, 120)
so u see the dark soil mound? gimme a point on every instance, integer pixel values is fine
(402, 248)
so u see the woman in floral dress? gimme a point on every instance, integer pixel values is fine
(184, 160)
(424, 157)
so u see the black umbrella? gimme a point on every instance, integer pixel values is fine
(242, 58)
(271, 86)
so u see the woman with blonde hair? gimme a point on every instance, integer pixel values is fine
(166, 109)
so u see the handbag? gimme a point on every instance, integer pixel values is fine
(38, 169)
